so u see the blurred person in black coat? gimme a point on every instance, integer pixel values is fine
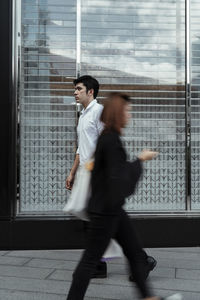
(113, 179)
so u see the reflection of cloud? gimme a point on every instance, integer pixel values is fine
(155, 49)
(69, 53)
(164, 71)
(59, 23)
(161, 71)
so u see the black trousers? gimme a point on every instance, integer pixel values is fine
(101, 230)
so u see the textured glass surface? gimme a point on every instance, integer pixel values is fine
(133, 46)
(47, 109)
(139, 47)
(195, 104)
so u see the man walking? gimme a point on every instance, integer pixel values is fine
(89, 129)
(89, 125)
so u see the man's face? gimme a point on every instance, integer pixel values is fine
(80, 93)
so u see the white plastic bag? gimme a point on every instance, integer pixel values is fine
(81, 191)
(113, 251)
(77, 204)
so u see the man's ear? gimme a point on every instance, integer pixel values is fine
(91, 92)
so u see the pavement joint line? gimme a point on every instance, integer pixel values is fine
(21, 277)
(71, 260)
(47, 277)
(12, 265)
(49, 258)
(47, 268)
(27, 261)
(170, 252)
(175, 290)
(30, 292)
(31, 267)
(5, 254)
(173, 251)
(37, 257)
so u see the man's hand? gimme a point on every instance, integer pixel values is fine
(147, 155)
(70, 178)
(69, 182)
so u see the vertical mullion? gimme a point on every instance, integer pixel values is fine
(188, 104)
(78, 54)
(78, 39)
(16, 63)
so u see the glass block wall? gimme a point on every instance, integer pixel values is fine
(195, 105)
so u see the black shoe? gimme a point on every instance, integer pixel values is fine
(151, 263)
(101, 270)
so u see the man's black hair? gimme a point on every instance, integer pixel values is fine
(89, 82)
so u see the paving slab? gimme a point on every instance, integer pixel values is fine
(178, 263)
(176, 249)
(3, 252)
(13, 261)
(175, 255)
(188, 274)
(52, 263)
(46, 275)
(25, 272)
(47, 254)
(18, 295)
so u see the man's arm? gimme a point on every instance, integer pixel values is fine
(70, 178)
(99, 124)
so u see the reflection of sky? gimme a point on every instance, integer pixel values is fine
(155, 43)
(153, 49)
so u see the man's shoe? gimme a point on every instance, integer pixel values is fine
(101, 270)
(151, 263)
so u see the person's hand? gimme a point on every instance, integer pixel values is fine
(69, 182)
(147, 155)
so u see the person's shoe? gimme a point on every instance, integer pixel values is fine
(151, 263)
(101, 270)
(173, 297)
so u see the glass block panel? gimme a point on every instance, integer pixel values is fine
(195, 105)
(139, 47)
(46, 102)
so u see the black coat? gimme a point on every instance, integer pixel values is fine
(113, 178)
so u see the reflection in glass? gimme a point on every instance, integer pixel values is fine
(195, 105)
(136, 47)
(47, 110)
(139, 48)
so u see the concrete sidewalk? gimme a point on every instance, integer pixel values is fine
(46, 275)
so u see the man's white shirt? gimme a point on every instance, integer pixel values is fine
(88, 130)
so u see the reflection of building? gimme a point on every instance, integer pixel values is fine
(48, 126)
(158, 123)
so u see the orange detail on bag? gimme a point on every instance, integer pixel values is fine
(89, 165)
